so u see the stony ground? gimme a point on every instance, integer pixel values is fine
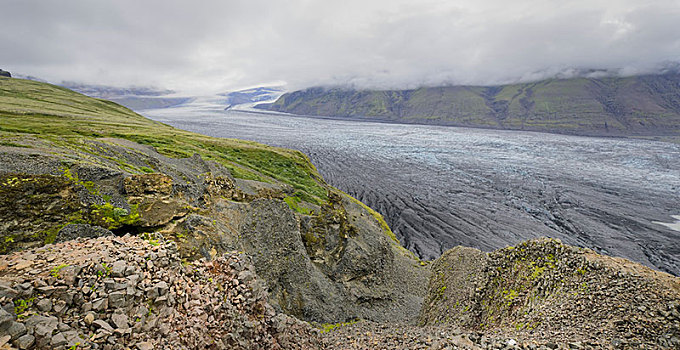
(136, 293)
(131, 293)
(368, 335)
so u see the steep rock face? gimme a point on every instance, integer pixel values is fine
(546, 290)
(360, 276)
(334, 263)
(640, 105)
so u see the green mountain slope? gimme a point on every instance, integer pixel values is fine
(631, 106)
(65, 118)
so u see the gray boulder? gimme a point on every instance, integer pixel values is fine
(73, 231)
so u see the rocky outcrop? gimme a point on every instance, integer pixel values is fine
(4, 73)
(334, 263)
(332, 275)
(131, 293)
(546, 291)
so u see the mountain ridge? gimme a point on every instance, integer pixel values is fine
(643, 106)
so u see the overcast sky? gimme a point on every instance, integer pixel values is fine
(205, 46)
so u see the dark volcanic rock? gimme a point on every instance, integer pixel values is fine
(324, 273)
(73, 231)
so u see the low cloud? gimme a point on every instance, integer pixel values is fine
(209, 46)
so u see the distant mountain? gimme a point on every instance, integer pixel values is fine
(639, 106)
(135, 98)
(30, 77)
(104, 91)
(254, 95)
(4, 73)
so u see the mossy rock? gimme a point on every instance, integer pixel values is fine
(33, 208)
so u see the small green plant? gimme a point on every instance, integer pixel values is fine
(55, 271)
(440, 292)
(106, 272)
(74, 347)
(510, 295)
(327, 327)
(21, 306)
(146, 169)
(70, 175)
(151, 239)
(537, 272)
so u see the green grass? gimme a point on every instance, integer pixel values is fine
(294, 203)
(66, 119)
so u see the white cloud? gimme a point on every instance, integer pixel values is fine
(203, 46)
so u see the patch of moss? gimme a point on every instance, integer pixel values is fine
(112, 217)
(21, 307)
(55, 271)
(328, 327)
(146, 170)
(294, 204)
(7, 244)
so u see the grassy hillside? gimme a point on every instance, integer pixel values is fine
(635, 106)
(64, 118)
